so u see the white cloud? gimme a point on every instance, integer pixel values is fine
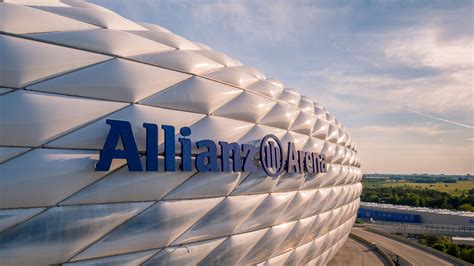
(423, 47)
(400, 130)
(446, 90)
(442, 91)
(258, 20)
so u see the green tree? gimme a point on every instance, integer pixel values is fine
(453, 250)
(467, 254)
(466, 207)
(410, 199)
(441, 246)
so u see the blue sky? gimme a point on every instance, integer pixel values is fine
(398, 74)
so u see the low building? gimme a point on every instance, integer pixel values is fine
(408, 214)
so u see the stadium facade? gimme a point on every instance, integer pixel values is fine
(94, 109)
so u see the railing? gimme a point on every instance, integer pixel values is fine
(386, 255)
(455, 261)
(436, 229)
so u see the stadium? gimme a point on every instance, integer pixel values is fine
(68, 68)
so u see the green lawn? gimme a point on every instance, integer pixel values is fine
(453, 188)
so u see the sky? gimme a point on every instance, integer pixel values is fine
(397, 74)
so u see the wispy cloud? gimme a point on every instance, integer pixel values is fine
(424, 47)
(422, 130)
(442, 83)
(278, 21)
(440, 119)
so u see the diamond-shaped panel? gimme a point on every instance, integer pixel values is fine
(25, 61)
(116, 80)
(82, 64)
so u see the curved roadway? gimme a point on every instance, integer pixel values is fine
(412, 254)
(355, 253)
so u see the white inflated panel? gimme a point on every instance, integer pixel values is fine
(67, 66)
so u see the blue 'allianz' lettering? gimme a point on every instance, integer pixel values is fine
(233, 156)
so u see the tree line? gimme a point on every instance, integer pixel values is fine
(419, 198)
(443, 244)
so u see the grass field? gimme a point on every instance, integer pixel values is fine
(453, 188)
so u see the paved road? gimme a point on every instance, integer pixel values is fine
(412, 254)
(432, 229)
(356, 253)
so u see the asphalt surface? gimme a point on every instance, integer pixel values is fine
(412, 254)
(356, 253)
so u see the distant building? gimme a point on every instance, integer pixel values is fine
(468, 241)
(399, 213)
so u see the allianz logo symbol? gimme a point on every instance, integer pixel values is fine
(233, 156)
